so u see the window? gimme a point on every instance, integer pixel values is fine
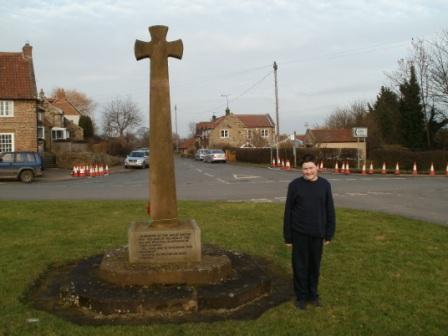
(264, 132)
(6, 142)
(40, 132)
(8, 158)
(24, 157)
(58, 133)
(6, 108)
(249, 133)
(224, 133)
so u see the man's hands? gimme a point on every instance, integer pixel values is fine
(327, 242)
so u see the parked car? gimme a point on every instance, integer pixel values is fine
(138, 158)
(215, 155)
(21, 165)
(200, 153)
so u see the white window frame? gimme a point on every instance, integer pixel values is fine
(264, 132)
(12, 142)
(249, 133)
(224, 133)
(6, 108)
(43, 132)
(65, 134)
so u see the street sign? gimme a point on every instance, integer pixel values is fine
(359, 132)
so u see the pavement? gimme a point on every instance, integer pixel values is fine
(60, 174)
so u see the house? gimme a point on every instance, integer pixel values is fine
(236, 130)
(19, 104)
(187, 146)
(341, 138)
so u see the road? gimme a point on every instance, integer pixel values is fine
(420, 197)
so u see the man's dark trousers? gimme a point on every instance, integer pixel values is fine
(306, 256)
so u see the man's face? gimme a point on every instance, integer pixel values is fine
(309, 170)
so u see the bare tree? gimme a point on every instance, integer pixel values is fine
(347, 117)
(192, 129)
(439, 68)
(119, 116)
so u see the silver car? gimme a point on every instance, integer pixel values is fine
(138, 158)
(215, 155)
(200, 154)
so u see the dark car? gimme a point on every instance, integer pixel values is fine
(20, 165)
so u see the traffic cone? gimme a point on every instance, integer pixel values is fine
(288, 165)
(101, 170)
(93, 171)
(397, 169)
(74, 171)
(78, 171)
(273, 163)
(363, 172)
(106, 170)
(446, 171)
(97, 171)
(383, 169)
(282, 164)
(347, 169)
(321, 167)
(82, 171)
(414, 169)
(336, 168)
(431, 170)
(371, 168)
(343, 168)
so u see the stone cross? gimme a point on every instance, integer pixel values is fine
(163, 202)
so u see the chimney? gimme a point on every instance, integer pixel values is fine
(213, 118)
(227, 111)
(27, 51)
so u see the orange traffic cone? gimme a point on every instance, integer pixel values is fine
(74, 171)
(431, 170)
(336, 168)
(414, 169)
(363, 172)
(288, 165)
(347, 169)
(106, 170)
(321, 167)
(371, 168)
(397, 169)
(101, 170)
(93, 171)
(82, 172)
(273, 163)
(383, 169)
(343, 168)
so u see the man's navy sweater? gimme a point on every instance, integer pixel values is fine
(309, 209)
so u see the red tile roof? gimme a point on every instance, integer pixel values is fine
(17, 79)
(332, 135)
(61, 102)
(256, 120)
(188, 143)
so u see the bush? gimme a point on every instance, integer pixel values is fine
(69, 159)
(406, 158)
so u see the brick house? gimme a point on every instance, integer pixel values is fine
(341, 138)
(236, 130)
(19, 106)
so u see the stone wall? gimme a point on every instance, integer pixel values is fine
(23, 125)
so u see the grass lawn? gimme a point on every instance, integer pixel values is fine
(382, 275)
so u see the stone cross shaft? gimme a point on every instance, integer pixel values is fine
(163, 202)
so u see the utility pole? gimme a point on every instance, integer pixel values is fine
(276, 111)
(177, 134)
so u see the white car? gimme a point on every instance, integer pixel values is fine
(200, 154)
(138, 158)
(215, 155)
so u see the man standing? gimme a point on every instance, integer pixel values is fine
(309, 223)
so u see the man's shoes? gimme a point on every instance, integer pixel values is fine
(315, 303)
(300, 304)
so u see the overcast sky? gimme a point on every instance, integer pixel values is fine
(329, 53)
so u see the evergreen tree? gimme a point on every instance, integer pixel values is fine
(386, 112)
(86, 123)
(411, 113)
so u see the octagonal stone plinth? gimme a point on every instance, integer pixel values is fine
(116, 268)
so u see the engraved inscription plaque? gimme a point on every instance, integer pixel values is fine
(160, 245)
